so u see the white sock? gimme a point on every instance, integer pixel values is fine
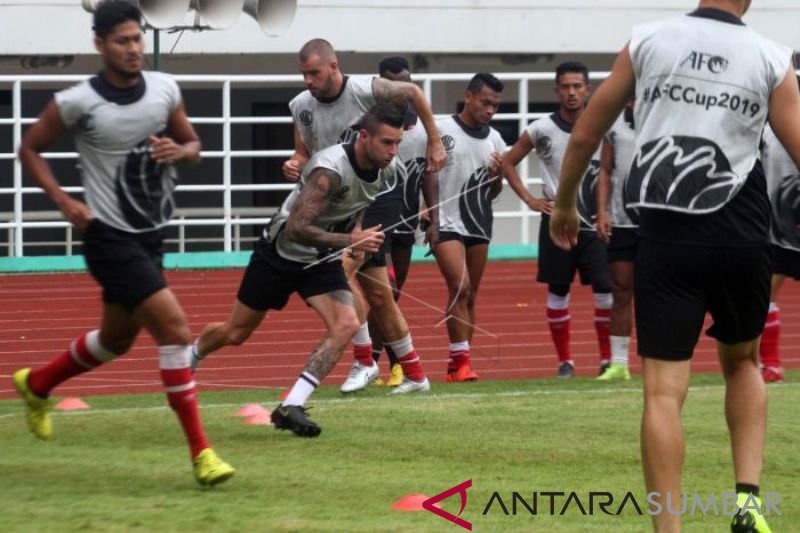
(459, 346)
(305, 385)
(362, 338)
(619, 349)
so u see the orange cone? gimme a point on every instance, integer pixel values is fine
(251, 409)
(71, 404)
(410, 503)
(260, 419)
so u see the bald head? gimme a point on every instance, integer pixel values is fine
(317, 47)
(736, 7)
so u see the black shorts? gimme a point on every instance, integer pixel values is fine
(385, 210)
(557, 266)
(404, 239)
(380, 259)
(623, 244)
(270, 279)
(128, 266)
(785, 262)
(465, 239)
(676, 284)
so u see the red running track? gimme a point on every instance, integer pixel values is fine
(41, 314)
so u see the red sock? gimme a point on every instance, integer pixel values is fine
(182, 397)
(74, 361)
(602, 323)
(363, 354)
(412, 368)
(458, 358)
(559, 320)
(769, 339)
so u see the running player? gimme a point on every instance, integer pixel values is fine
(704, 220)
(130, 130)
(468, 184)
(297, 253)
(616, 228)
(549, 137)
(783, 185)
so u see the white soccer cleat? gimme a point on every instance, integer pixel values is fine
(409, 385)
(360, 376)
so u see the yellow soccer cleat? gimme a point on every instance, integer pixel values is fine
(37, 409)
(210, 470)
(748, 520)
(615, 372)
(397, 376)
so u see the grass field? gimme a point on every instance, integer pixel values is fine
(122, 466)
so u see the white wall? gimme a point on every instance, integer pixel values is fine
(61, 27)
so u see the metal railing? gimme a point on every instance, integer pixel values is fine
(231, 219)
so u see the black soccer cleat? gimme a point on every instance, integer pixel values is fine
(293, 418)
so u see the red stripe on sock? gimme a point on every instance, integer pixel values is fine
(363, 354)
(559, 321)
(602, 325)
(60, 369)
(184, 403)
(770, 339)
(412, 368)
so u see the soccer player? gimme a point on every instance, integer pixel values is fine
(703, 221)
(325, 115)
(130, 129)
(297, 253)
(468, 184)
(400, 210)
(549, 137)
(616, 228)
(783, 185)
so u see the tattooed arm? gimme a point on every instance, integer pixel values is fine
(400, 93)
(321, 186)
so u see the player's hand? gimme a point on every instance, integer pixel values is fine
(542, 205)
(291, 170)
(432, 236)
(495, 165)
(603, 225)
(367, 240)
(435, 156)
(164, 150)
(76, 212)
(564, 227)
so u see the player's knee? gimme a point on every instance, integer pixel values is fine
(379, 298)
(119, 346)
(345, 327)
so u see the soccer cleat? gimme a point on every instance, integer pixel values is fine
(461, 374)
(748, 521)
(38, 409)
(397, 376)
(360, 376)
(604, 365)
(566, 370)
(293, 418)
(615, 372)
(209, 469)
(379, 382)
(772, 374)
(409, 385)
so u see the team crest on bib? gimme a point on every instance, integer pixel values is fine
(449, 142)
(349, 135)
(688, 174)
(587, 198)
(306, 117)
(544, 147)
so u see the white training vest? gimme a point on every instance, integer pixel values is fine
(124, 187)
(702, 92)
(622, 137)
(783, 185)
(412, 153)
(354, 195)
(550, 136)
(324, 124)
(464, 204)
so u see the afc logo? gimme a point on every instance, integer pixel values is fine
(306, 117)
(699, 60)
(86, 123)
(448, 142)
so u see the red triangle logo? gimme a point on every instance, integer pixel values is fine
(461, 490)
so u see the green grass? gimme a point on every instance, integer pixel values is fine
(122, 466)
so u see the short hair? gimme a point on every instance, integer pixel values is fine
(383, 113)
(318, 47)
(111, 13)
(575, 67)
(484, 79)
(393, 64)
